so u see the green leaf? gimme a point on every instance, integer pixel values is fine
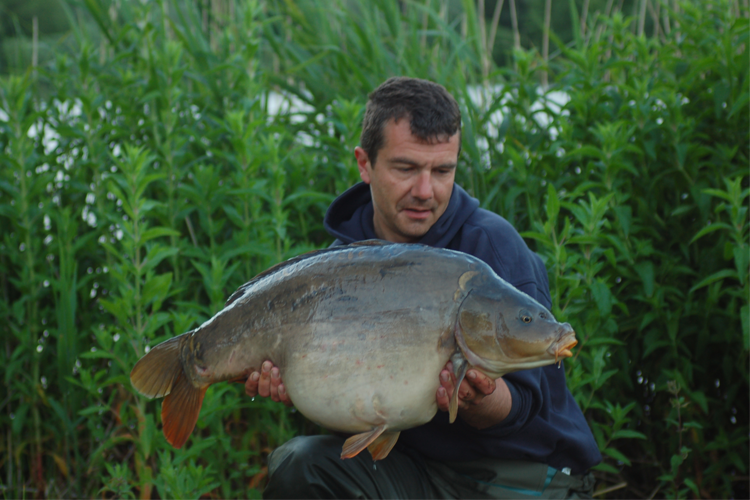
(91, 410)
(676, 461)
(602, 297)
(147, 435)
(745, 318)
(719, 194)
(653, 341)
(624, 217)
(116, 309)
(646, 272)
(627, 434)
(586, 151)
(740, 103)
(693, 487)
(156, 232)
(19, 418)
(553, 203)
(710, 229)
(157, 288)
(648, 318)
(156, 254)
(605, 467)
(97, 355)
(741, 261)
(617, 455)
(719, 275)
(597, 341)
(700, 398)
(692, 425)
(603, 378)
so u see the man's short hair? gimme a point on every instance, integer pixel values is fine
(432, 111)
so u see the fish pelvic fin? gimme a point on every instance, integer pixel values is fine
(154, 374)
(359, 442)
(382, 446)
(459, 372)
(179, 410)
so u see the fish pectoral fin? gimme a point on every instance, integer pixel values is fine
(180, 409)
(359, 442)
(459, 368)
(382, 446)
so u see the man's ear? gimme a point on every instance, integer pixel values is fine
(363, 164)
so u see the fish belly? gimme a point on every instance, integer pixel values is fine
(357, 387)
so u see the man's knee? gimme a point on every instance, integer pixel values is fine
(294, 468)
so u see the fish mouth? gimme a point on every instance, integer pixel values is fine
(562, 347)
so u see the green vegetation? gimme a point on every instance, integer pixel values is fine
(147, 173)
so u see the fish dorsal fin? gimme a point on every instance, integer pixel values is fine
(370, 243)
(359, 442)
(382, 446)
(281, 265)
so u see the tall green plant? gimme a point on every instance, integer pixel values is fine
(143, 180)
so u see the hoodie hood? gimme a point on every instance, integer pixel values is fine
(350, 217)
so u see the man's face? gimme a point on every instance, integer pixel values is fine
(411, 182)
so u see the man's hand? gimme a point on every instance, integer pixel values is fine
(267, 383)
(482, 401)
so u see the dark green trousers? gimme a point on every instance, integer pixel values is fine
(310, 467)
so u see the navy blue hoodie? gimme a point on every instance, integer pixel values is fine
(545, 424)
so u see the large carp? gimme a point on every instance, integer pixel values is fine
(360, 334)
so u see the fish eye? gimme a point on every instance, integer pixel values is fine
(526, 317)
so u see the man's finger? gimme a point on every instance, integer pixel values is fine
(284, 397)
(443, 399)
(264, 384)
(445, 391)
(465, 392)
(275, 381)
(251, 384)
(481, 382)
(446, 381)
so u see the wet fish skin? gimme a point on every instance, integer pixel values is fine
(360, 334)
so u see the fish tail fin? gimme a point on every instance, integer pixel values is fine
(160, 373)
(154, 374)
(179, 410)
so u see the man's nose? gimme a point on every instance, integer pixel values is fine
(422, 188)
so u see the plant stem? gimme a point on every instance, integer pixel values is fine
(545, 39)
(514, 21)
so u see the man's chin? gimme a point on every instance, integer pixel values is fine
(414, 230)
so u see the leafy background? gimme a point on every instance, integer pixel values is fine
(156, 155)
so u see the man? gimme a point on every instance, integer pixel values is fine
(520, 436)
